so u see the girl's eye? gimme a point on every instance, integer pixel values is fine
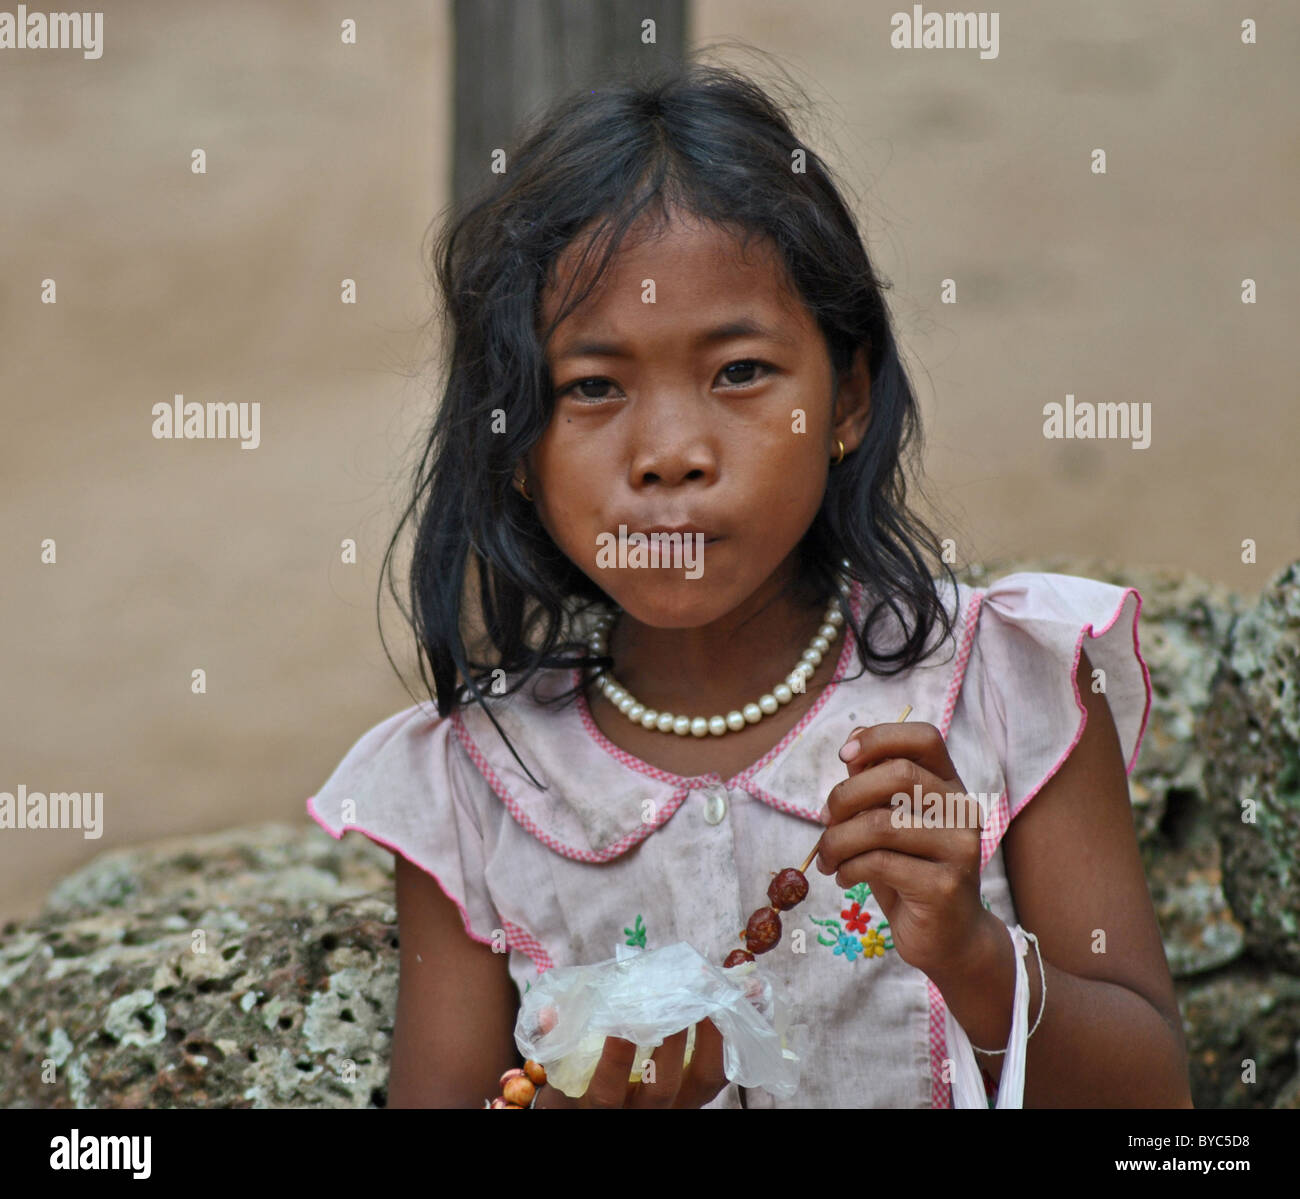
(745, 364)
(588, 383)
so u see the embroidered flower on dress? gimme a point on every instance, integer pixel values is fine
(849, 946)
(873, 942)
(855, 920)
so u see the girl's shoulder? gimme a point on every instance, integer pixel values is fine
(1031, 630)
(408, 786)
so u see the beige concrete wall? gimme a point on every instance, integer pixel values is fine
(327, 162)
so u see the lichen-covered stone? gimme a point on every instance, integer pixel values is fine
(226, 869)
(1241, 1031)
(1198, 927)
(238, 970)
(1251, 739)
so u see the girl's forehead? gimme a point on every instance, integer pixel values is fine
(696, 262)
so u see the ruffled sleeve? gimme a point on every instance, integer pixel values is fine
(1032, 627)
(408, 786)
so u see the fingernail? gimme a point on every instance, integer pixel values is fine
(850, 750)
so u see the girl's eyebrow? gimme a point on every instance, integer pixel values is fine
(741, 327)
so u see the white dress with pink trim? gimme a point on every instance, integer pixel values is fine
(611, 849)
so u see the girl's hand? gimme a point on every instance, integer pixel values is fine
(920, 859)
(672, 1087)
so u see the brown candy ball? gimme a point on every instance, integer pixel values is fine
(763, 930)
(787, 889)
(519, 1091)
(736, 957)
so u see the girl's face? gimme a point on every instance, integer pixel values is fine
(709, 406)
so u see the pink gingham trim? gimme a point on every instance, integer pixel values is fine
(622, 845)
(941, 1091)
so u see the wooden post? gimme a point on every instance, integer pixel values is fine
(513, 57)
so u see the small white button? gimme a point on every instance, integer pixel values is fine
(715, 806)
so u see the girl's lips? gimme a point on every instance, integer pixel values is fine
(684, 530)
(684, 534)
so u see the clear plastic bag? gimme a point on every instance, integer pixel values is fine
(645, 996)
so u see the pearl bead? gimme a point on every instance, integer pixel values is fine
(599, 622)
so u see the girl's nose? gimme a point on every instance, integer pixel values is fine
(673, 442)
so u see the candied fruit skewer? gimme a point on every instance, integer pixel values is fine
(787, 888)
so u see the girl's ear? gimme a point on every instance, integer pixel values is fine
(852, 411)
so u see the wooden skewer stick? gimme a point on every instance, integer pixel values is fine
(813, 853)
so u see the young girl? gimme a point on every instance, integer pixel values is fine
(664, 319)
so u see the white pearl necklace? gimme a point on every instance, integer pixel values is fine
(737, 719)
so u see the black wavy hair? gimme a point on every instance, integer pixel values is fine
(696, 138)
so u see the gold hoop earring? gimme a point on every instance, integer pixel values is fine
(838, 460)
(523, 490)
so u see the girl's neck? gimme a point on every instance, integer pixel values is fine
(720, 666)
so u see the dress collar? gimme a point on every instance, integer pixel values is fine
(599, 800)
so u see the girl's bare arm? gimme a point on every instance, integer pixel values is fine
(453, 1035)
(1111, 1034)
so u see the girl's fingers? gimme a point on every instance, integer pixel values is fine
(877, 786)
(705, 1076)
(665, 1069)
(673, 1084)
(876, 829)
(609, 1085)
(913, 739)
